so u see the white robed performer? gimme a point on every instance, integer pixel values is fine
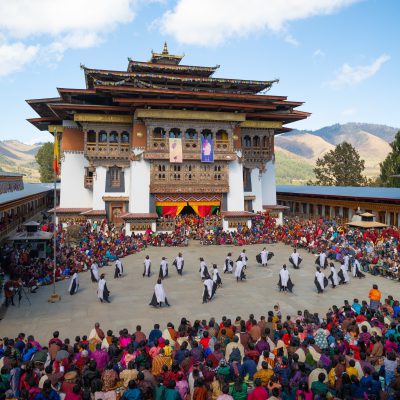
(179, 263)
(228, 265)
(333, 277)
(320, 280)
(159, 296)
(203, 269)
(94, 272)
(146, 267)
(216, 276)
(295, 259)
(285, 282)
(356, 269)
(102, 290)
(74, 284)
(346, 260)
(210, 288)
(239, 271)
(343, 274)
(163, 268)
(119, 269)
(244, 258)
(321, 260)
(264, 257)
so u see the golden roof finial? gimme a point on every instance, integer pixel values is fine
(165, 49)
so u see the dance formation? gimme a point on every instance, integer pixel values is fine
(211, 278)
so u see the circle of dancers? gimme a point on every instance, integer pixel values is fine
(211, 277)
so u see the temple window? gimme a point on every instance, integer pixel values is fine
(191, 134)
(177, 168)
(91, 136)
(115, 176)
(256, 141)
(222, 135)
(103, 137)
(206, 134)
(247, 141)
(246, 179)
(265, 141)
(175, 133)
(125, 137)
(113, 137)
(159, 133)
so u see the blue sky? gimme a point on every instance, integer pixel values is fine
(339, 56)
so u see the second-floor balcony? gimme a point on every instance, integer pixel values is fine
(191, 148)
(107, 150)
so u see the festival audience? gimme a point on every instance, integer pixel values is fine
(351, 353)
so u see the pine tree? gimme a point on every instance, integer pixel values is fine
(341, 166)
(391, 165)
(44, 158)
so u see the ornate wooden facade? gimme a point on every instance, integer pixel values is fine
(115, 135)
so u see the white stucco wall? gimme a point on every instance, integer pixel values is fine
(140, 187)
(268, 184)
(73, 193)
(256, 189)
(235, 198)
(99, 186)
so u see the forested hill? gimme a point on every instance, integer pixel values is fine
(297, 151)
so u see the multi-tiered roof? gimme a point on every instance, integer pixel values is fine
(163, 83)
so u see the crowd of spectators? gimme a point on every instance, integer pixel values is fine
(101, 242)
(352, 352)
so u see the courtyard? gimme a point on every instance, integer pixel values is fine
(130, 296)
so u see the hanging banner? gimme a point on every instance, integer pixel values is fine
(207, 150)
(175, 150)
(170, 208)
(204, 208)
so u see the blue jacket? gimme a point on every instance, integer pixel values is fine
(132, 394)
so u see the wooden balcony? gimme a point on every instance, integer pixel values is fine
(158, 148)
(88, 183)
(256, 156)
(107, 150)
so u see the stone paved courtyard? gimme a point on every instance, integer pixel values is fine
(131, 295)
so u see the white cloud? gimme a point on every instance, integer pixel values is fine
(349, 76)
(58, 26)
(25, 18)
(13, 57)
(211, 22)
(291, 40)
(318, 53)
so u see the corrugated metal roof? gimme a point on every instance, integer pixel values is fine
(29, 190)
(16, 174)
(343, 191)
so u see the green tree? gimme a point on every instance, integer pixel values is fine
(341, 166)
(391, 165)
(44, 158)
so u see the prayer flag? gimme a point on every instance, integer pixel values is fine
(56, 158)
